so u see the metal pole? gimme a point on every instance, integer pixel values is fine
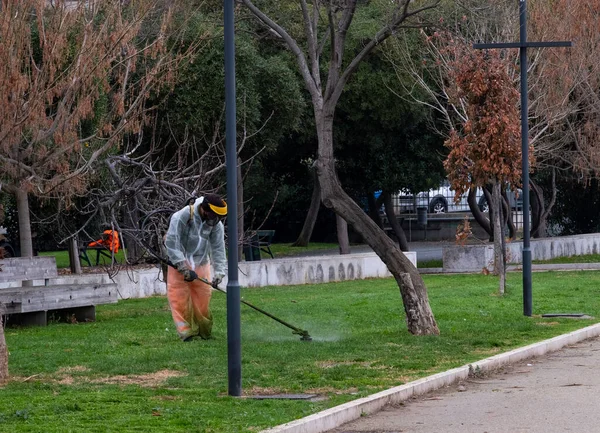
(234, 352)
(527, 297)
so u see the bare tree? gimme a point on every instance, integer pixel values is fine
(151, 179)
(327, 23)
(74, 80)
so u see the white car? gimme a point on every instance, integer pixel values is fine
(441, 200)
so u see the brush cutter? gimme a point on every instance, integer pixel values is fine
(304, 336)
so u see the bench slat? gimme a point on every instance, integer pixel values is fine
(40, 298)
(27, 268)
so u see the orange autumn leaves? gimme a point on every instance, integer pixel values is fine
(487, 148)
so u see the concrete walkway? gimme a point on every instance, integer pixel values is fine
(550, 386)
(554, 393)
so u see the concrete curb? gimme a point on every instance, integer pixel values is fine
(336, 416)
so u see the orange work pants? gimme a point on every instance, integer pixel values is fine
(189, 303)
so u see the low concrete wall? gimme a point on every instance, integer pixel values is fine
(314, 269)
(141, 283)
(467, 258)
(471, 258)
(563, 246)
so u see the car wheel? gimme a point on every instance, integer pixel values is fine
(483, 205)
(438, 205)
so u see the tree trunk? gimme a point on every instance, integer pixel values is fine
(391, 215)
(496, 205)
(3, 351)
(74, 262)
(419, 317)
(480, 218)
(508, 217)
(311, 216)
(539, 210)
(24, 223)
(342, 234)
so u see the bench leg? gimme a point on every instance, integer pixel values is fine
(36, 318)
(84, 257)
(268, 251)
(78, 314)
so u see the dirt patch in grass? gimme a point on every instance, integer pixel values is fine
(259, 390)
(330, 390)
(332, 364)
(146, 380)
(74, 369)
(68, 376)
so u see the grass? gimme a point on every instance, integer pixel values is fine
(128, 372)
(587, 258)
(429, 263)
(62, 257)
(286, 250)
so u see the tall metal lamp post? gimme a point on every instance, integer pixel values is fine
(234, 351)
(522, 45)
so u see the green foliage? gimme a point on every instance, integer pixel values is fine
(576, 208)
(382, 140)
(129, 372)
(268, 91)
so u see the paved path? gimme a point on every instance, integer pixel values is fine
(558, 392)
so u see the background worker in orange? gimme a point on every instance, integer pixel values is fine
(195, 240)
(109, 240)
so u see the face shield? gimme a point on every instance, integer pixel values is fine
(213, 219)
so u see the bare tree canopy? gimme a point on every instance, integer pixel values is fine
(74, 80)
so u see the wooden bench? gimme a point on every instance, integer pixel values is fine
(265, 237)
(259, 241)
(100, 251)
(34, 305)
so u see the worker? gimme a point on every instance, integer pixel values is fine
(109, 240)
(195, 240)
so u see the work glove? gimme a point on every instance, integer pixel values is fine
(217, 280)
(188, 274)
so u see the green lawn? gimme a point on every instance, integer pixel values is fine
(286, 250)
(62, 258)
(588, 258)
(128, 372)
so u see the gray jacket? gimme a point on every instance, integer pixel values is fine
(195, 241)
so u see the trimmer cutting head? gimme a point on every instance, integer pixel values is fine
(304, 336)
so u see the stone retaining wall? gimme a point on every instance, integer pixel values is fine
(473, 258)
